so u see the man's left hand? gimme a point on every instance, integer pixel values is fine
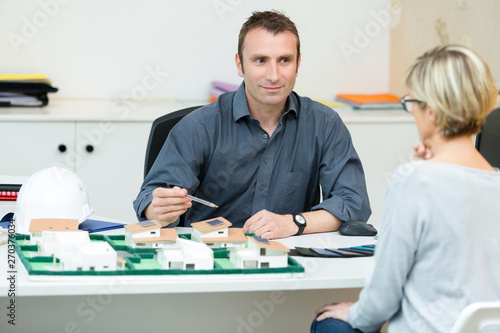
(270, 226)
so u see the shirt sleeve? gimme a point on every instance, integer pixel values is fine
(342, 178)
(395, 253)
(177, 164)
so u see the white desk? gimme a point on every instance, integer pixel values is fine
(227, 303)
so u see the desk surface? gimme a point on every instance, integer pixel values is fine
(320, 273)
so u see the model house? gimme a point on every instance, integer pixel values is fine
(149, 234)
(77, 252)
(37, 226)
(188, 255)
(93, 256)
(216, 234)
(121, 264)
(59, 243)
(261, 253)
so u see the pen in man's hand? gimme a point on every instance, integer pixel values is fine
(204, 202)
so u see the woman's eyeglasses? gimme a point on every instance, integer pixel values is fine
(408, 103)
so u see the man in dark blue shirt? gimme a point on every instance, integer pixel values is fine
(260, 153)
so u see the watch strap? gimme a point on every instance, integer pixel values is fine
(301, 226)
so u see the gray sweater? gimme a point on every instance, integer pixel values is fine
(438, 249)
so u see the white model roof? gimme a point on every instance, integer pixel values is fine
(66, 236)
(94, 248)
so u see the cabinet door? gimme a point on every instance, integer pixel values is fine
(111, 165)
(29, 146)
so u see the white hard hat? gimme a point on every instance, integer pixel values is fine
(51, 193)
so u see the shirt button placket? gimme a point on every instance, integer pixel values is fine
(263, 178)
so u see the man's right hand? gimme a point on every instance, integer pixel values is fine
(167, 205)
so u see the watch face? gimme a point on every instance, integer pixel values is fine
(300, 219)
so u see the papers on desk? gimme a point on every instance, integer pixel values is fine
(11, 99)
(25, 89)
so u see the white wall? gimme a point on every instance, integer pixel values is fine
(105, 49)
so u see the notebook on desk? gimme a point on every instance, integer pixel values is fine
(91, 225)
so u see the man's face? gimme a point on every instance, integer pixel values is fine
(269, 67)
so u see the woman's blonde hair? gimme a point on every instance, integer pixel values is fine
(457, 84)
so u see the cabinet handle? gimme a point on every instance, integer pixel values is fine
(62, 148)
(89, 148)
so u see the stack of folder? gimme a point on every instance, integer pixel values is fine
(25, 89)
(367, 102)
(218, 88)
(8, 197)
(9, 192)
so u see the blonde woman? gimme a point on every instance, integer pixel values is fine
(438, 249)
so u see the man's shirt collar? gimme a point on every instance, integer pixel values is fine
(240, 105)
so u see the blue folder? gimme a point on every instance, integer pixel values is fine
(97, 225)
(5, 224)
(87, 225)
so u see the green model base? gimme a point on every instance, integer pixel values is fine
(138, 261)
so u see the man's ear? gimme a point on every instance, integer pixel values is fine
(239, 65)
(298, 65)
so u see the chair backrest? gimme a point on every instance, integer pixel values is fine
(488, 141)
(481, 317)
(160, 129)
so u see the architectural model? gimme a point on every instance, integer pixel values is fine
(92, 256)
(63, 248)
(261, 253)
(37, 226)
(149, 234)
(188, 255)
(216, 233)
(58, 243)
(77, 252)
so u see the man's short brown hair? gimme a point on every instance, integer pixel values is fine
(272, 21)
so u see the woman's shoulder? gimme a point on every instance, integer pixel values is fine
(422, 171)
(408, 170)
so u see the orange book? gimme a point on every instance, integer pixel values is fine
(377, 101)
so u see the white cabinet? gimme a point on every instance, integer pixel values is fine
(107, 156)
(28, 146)
(113, 169)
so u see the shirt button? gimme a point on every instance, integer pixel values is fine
(266, 160)
(261, 187)
(264, 136)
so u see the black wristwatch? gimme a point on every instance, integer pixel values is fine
(300, 221)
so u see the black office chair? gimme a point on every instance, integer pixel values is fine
(159, 133)
(488, 141)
